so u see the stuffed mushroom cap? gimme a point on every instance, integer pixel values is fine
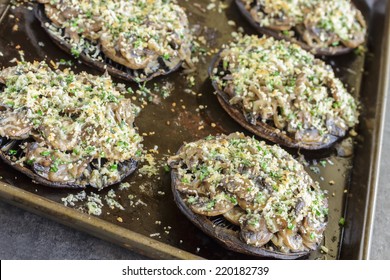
(136, 40)
(67, 129)
(283, 93)
(323, 27)
(261, 188)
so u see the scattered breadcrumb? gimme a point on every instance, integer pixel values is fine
(71, 198)
(111, 202)
(149, 169)
(124, 186)
(94, 204)
(140, 202)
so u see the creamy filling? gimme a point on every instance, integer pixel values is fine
(281, 84)
(141, 35)
(73, 118)
(320, 23)
(257, 186)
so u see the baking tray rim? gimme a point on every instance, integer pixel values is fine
(137, 242)
(149, 247)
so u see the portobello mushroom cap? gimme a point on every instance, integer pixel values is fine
(67, 130)
(132, 40)
(289, 215)
(282, 93)
(329, 28)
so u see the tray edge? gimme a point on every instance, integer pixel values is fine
(92, 225)
(4, 5)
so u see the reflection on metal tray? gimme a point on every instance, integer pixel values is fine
(157, 228)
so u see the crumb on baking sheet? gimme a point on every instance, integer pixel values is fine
(324, 249)
(150, 169)
(92, 203)
(71, 198)
(111, 202)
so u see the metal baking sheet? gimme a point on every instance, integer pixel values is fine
(155, 227)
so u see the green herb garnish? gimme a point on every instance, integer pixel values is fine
(45, 153)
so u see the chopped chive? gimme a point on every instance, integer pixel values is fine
(167, 168)
(30, 161)
(211, 204)
(130, 90)
(233, 200)
(225, 64)
(45, 153)
(75, 52)
(185, 180)
(191, 200)
(54, 168)
(114, 167)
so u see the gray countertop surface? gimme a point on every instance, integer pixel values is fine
(27, 236)
(380, 246)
